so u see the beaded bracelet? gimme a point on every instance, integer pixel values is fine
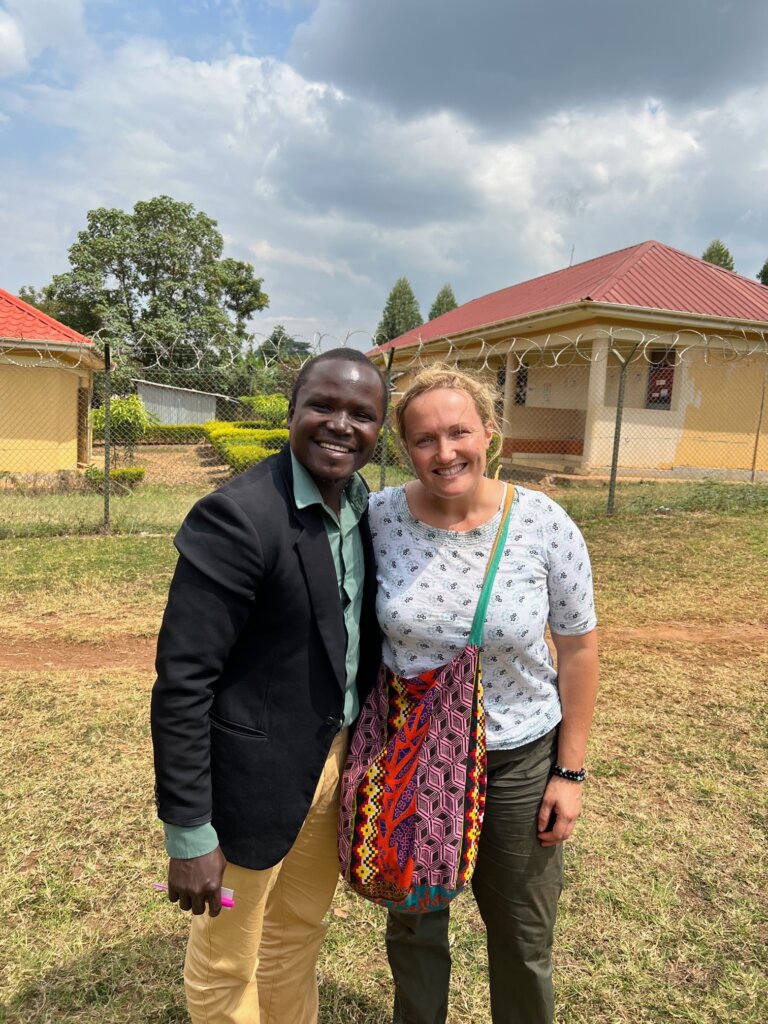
(569, 773)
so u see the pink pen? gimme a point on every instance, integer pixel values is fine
(227, 895)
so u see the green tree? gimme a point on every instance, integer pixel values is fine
(719, 254)
(762, 277)
(155, 280)
(281, 346)
(401, 313)
(47, 299)
(444, 302)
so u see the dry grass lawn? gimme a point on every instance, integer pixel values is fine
(664, 916)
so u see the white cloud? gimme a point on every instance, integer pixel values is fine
(333, 196)
(58, 27)
(13, 57)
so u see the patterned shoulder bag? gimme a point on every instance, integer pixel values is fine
(413, 792)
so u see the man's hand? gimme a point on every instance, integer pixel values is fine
(197, 881)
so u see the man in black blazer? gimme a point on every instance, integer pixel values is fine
(268, 647)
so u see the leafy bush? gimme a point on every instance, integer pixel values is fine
(174, 433)
(129, 421)
(122, 481)
(273, 409)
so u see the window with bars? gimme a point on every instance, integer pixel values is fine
(661, 376)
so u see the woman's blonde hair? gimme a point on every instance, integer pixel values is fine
(441, 375)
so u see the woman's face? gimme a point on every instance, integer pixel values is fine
(447, 442)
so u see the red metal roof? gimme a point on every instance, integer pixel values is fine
(649, 275)
(22, 322)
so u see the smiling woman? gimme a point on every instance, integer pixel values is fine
(471, 568)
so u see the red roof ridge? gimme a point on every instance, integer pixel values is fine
(647, 276)
(25, 311)
(752, 281)
(635, 254)
(563, 270)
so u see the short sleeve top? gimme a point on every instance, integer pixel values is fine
(429, 582)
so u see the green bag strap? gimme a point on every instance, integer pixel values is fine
(478, 623)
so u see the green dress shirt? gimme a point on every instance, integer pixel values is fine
(183, 842)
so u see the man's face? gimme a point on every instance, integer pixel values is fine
(336, 420)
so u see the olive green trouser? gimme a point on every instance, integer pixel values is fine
(516, 884)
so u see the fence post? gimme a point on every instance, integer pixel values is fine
(386, 430)
(107, 437)
(753, 478)
(617, 433)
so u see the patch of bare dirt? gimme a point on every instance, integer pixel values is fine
(744, 636)
(182, 465)
(37, 655)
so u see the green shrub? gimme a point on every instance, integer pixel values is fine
(174, 433)
(122, 480)
(243, 456)
(129, 421)
(273, 409)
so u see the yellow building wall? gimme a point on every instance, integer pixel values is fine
(715, 405)
(712, 423)
(720, 427)
(38, 419)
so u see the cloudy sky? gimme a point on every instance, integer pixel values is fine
(341, 144)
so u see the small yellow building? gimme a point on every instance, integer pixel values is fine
(46, 383)
(673, 347)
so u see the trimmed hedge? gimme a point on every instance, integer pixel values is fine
(174, 433)
(241, 445)
(223, 435)
(243, 456)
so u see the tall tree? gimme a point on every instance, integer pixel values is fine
(155, 280)
(762, 277)
(401, 312)
(719, 254)
(280, 346)
(74, 314)
(444, 302)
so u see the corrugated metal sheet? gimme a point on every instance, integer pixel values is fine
(649, 275)
(177, 405)
(20, 321)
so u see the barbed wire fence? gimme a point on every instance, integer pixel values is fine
(607, 407)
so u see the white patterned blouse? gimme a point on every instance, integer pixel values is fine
(429, 581)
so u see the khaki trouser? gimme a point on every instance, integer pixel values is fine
(255, 963)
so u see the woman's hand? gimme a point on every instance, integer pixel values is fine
(560, 807)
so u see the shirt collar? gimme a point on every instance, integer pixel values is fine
(305, 490)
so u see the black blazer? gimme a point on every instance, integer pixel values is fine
(251, 664)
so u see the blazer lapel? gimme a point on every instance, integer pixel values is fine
(314, 551)
(320, 575)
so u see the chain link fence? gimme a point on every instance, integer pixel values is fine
(593, 413)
